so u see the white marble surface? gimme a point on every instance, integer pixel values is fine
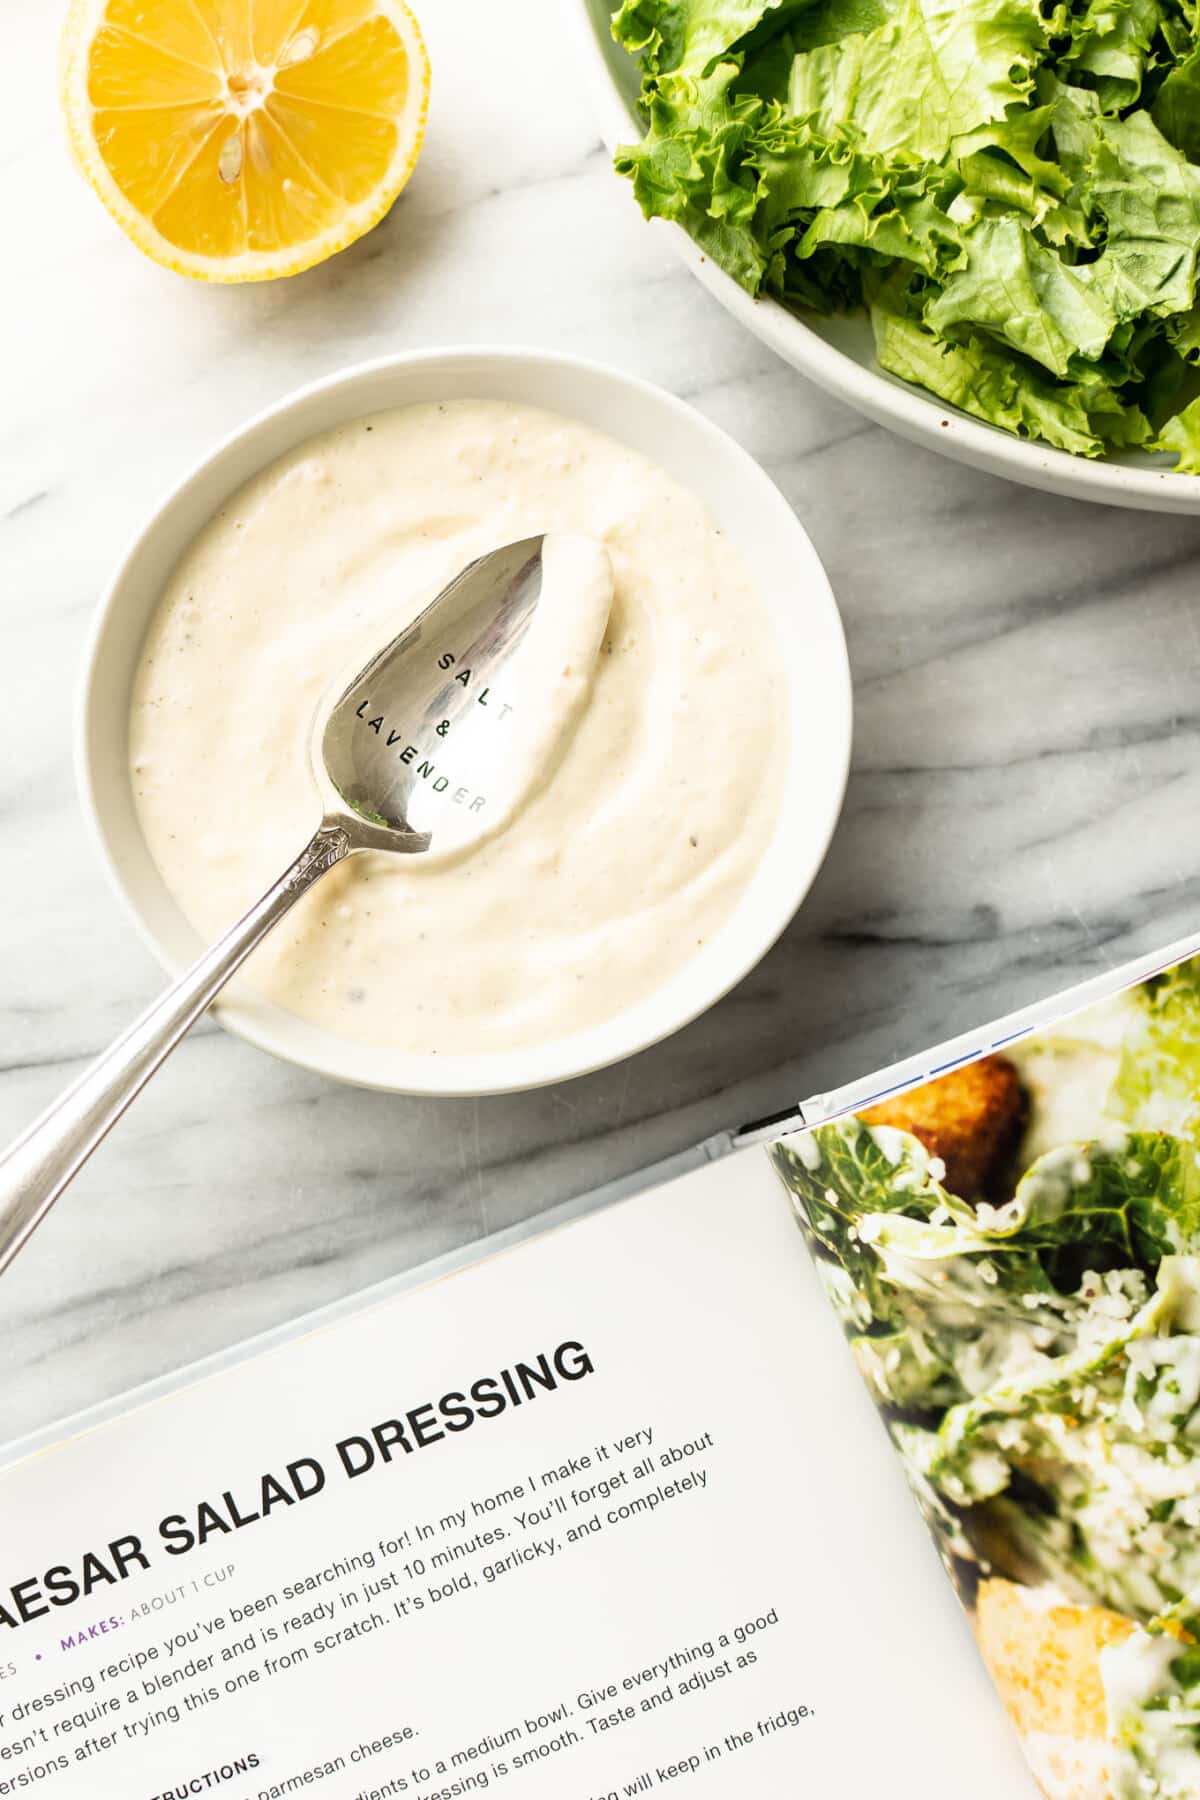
(1026, 777)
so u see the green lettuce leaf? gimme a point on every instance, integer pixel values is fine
(1183, 333)
(900, 224)
(685, 34)
(837, 1175)
(1112, 46)
(1100, 1432)
(1152, 1690)
(1158, 1080)
(1019, 137)
(1148, 196)
(982, 379)
(1180, 438)
(1008, 187)
(936, 70)
(694, 167)
(1135, 1197)
(1176, 109)
(1026, 295)
(931, 1320)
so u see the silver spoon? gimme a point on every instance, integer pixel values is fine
(381, 749)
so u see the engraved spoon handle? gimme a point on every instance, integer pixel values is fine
(38, 1166)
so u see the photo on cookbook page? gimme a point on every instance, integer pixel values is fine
(1014, 1252)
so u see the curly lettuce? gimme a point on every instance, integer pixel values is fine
(1008, 187)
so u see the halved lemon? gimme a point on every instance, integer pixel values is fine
(238, 140)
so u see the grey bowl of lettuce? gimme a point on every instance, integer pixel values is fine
(977, 222)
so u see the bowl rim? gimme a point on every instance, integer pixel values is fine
(283, 1034)
(905, 409)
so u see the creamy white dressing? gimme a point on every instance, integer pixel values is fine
(1069, 1075)
(636, 811)
(1155, 1754)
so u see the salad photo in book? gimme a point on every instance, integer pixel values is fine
(1014, 1252)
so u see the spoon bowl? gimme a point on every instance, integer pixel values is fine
(389, 751)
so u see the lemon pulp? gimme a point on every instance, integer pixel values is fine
(242, 139)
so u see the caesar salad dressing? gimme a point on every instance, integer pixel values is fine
(1150, 1726)
(664, 770)
(1069, 1075)
(1155, 1406)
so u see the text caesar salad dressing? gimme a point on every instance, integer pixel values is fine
(665, 754)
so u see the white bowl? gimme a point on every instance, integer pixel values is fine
(745, 504)
(839, 353)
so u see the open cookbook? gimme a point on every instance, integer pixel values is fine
(607, 1507)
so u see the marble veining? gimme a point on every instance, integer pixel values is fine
(1027, 762)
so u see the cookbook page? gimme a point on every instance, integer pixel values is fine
(605, 1514)
(1014, 1252)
